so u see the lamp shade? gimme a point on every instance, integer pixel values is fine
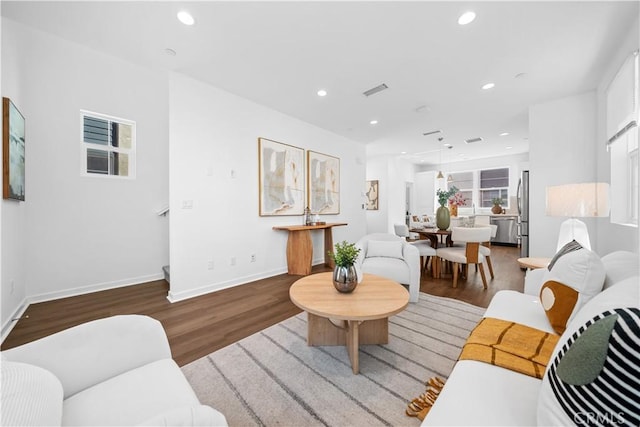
(584, 200)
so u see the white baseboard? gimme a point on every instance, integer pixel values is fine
(50, 296)
(203, 290)
(10, 323)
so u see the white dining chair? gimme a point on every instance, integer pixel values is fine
(470, 253)
(424, 247)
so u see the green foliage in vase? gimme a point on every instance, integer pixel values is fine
(497, 201)
(345, 254)
(443, 195)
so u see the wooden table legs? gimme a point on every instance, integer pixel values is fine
(299, 252)
(350, 333)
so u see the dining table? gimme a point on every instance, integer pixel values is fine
(433, 234)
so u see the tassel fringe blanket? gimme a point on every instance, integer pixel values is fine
(510, 345)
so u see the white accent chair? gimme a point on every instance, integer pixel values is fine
(390, 256)
(114, 371)
(423, 246)
(469, 254)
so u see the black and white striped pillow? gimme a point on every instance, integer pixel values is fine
(594, 377)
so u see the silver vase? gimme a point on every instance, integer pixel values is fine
(345, 279)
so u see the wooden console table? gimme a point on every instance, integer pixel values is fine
(300, 246)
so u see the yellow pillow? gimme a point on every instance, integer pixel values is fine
(558, 301)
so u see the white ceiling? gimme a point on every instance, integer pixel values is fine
(280, 53)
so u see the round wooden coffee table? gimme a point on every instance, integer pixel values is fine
(359, 317)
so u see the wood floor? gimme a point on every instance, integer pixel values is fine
(201, 325)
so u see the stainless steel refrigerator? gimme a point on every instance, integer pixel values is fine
(523, 212)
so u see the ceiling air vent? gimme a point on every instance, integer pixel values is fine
(472, 140)
(375, 90)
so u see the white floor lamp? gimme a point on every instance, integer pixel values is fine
(577, 201)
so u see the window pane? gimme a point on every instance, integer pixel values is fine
(97, 161)
(467, 196)
(487, 196)
(96, 131)
(494, 178)
(462, 180)
(119, 164)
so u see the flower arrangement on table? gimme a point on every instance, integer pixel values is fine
(456, 200)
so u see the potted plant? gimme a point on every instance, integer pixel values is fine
(497, 208)
(443, 217)
(345, 277)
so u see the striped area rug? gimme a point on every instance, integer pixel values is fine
(273, 377)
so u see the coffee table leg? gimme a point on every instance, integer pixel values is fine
(352, 344)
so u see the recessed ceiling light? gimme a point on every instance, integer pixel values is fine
(488, 86)
(448, 145)
(373, 122)
(322, 92)
(170, 52)
(504, 134)
(186, 18)
(403, 152)
(508, 147)
(466, 18)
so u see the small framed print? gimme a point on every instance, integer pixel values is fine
(13, 144)
(372, 195)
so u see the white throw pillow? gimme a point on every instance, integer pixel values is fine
(30, 396)
(591, 336)
(387, 249)
(579, 269)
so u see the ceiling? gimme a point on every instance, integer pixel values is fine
(279, 54)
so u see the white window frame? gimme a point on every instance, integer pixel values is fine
(474, 204)
(85, 146)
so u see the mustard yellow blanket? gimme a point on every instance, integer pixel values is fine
(510, 345)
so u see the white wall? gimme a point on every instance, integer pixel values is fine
(76, 234)
(212, 133)
(423, 193)
(612, 237)
(562, 135)
(393, 174)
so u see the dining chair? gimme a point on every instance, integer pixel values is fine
(423, 246)
(485, 247)
(470, 253)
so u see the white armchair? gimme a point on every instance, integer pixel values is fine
(392, 257)
(112, 371)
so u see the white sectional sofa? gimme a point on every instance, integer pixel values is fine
(114, 371)
(478, 393)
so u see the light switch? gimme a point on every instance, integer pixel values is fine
(187, 204)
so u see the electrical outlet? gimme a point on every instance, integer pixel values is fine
(210, 264)
(253, 257)
(232, 261)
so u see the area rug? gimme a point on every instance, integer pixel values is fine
(273, 378)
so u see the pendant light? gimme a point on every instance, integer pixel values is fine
(440, 175)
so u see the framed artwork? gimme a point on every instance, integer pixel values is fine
(372, 195)
(281, 174)
(13, 151)
(323, 182)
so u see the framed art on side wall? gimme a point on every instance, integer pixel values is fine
(13, 164)
(323, 181)
(372, 195)
(281, 175)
